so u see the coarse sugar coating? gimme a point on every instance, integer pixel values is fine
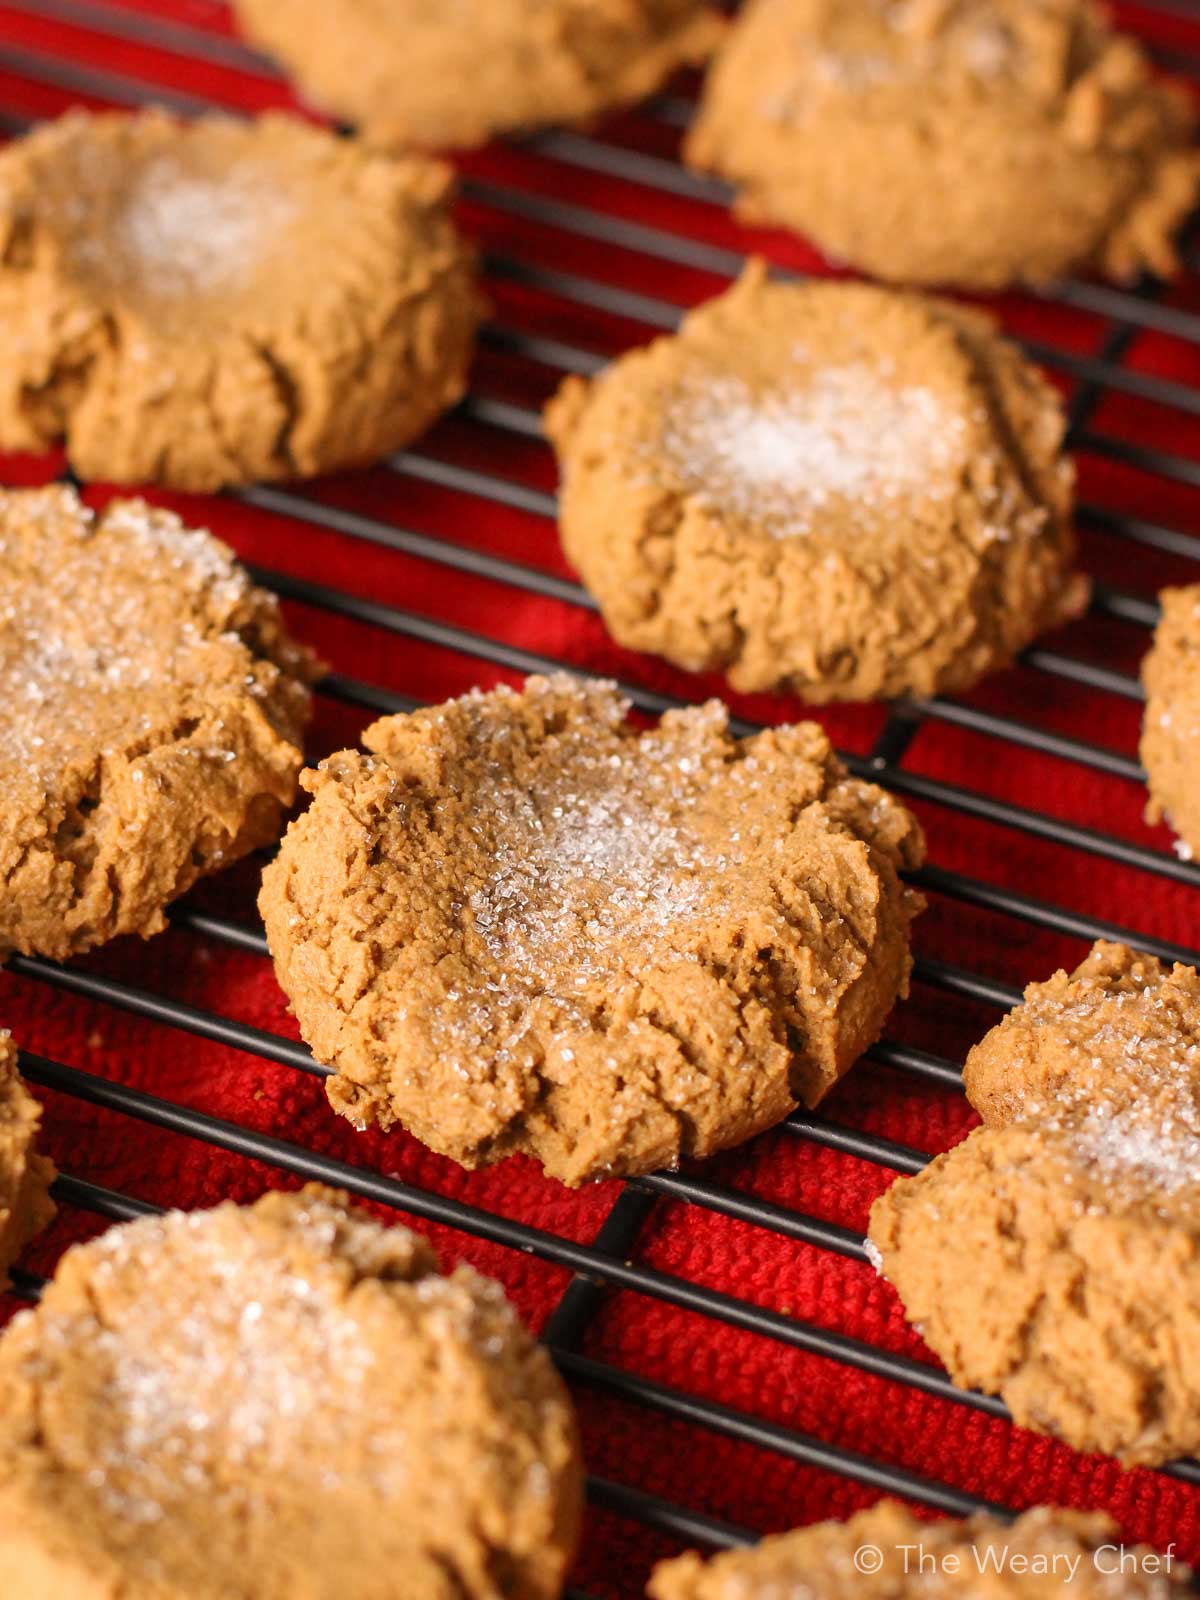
(1118, 1038)
(830, 489)
(973, 142)
(25, 1176)
(1053, 1257)
(1171, 729)
(215, 302)
(152, 708)
(433, 73)
(284, 1401)
(519, 924)
(1043, 1555)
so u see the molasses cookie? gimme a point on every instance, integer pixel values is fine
(151, 714)
(1171, 730)
(519, 924)
(976, 142)
(1041, 1556)
(415, 73)
(276, 1401)
(25, 1176)
(1109, 1035)
(831, 489)
(223, 301)
(1053, 1257)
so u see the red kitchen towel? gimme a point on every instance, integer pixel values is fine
(1139, 458)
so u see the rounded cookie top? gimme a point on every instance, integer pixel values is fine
(1170, 746)
(25, 1176)
(1116, 1044)
(522, 925)
(1041, 1265)
(151, 714)
(1053, 1257)
(432, 73)
(1042, 1555)
(282, 1399)
(838, 490)
(977, 142)
(215, 302)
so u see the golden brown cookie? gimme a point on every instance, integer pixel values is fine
(1110, 1035)
(521, 925)
(455, 72)
(976, 142)
(1053, 1257)
(1043, 1555)
(151, 714)
(836, 490)
(222, 301)
(1170, 743)
(25, 1176)
(279, 1401)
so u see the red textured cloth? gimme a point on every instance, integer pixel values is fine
(690, 1466)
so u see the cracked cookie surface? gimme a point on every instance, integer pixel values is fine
(1043, 1555)
(152, 708)
(25, 1176)
(835, 490)
(218, 302)
(434, 73)
(1170, 744)
(972, 142)
(1053, 1257)
(285, 1401)
(521, 925)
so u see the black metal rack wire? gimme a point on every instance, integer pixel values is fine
(607, 1263)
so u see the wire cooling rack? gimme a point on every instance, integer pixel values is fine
(591, 243)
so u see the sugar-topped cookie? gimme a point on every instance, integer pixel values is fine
(1053, 1257)
(152, 708)
(973, 142)
(276, 1401)
(1170, 745)
(835, 490)
(1043, 1555)
(519, 924)
(455, 72)
(25, 1176)
(209, 303)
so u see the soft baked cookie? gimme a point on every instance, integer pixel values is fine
(1109, 1036)
(1171, 730)
(977, 142)
(274, 1402)
(1053, 1257)
(25, 1176)
(223, 301)
(151, 714)
(840, 491)
(521, 925)
(1043, 1555)
(455, 72)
